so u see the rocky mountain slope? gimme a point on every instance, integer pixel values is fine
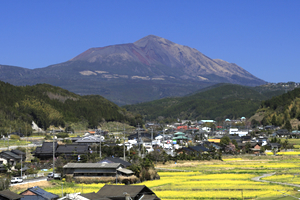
(148, 69)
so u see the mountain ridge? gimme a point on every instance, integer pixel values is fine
(151, 65)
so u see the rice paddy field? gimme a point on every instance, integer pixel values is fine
(227, 179)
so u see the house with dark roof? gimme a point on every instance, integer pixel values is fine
(96, 169)
(281, 133)
(37, 193)
(136, 192)
(45, 152)
(115, 160)
(71, 150)
(20, 153)
(116, 192)
(8, 195)
(193, 149)
(8, 157)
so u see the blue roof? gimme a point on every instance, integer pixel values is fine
(40, 192)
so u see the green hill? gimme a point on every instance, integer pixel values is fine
(217, 102)
(282, 110)
(48, 105)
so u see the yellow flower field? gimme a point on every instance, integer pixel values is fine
(173, 185)
(285, 178)
(230, 179)
(285, 153)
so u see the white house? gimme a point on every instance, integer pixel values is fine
(236, 131)
(207, 129)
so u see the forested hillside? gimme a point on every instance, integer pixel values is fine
(48, 105)
(218, 102)
(282, 110)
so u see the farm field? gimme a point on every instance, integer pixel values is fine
(227, 179)
(230, 179)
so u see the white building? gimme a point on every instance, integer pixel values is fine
(236, 131)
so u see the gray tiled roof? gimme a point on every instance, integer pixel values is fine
(10, 195)
(120, 190)
(9, 155)
(125, 171)
(72, 148)
(92, 165)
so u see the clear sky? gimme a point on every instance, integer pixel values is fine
(261, 36)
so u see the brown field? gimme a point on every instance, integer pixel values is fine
(21, 187)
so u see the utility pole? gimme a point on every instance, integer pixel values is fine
(7, 142)
(26, 142)
(21, 166)
(152, 138)
(139, 140)
(53, 153)
(124, 145)
(100, 146)
(163, 138)
(151, 134)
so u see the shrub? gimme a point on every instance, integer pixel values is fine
(14, 137)
(62, 135)
(4, 183)
(48, 137)
(69, 178)
(110, 179)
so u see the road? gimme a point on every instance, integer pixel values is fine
(271, 174)
(14, 147)
(30, 181)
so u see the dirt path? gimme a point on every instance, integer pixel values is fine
(271, 174)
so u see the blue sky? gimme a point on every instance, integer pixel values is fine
(261, 36)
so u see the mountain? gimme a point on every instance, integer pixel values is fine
(219, 102)
(148, 69)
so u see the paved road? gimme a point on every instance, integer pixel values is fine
(30, 181)
(271, 174)
(14, 147)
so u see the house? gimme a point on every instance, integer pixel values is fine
(8, 195)
(256, 148)
(115, 160)
(206, 129)
(8, 157)
(71, 150)
(236, 131)
(20, 153)
(89, 140)
(197, 149)
(139, 135)
(45, 152)
(95, 169)
(37, 193)
(116, 192)
(246, 138)
(213, 144)
(281, 133)
(136, 192)
(275, 146)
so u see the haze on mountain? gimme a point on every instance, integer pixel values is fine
(148, 69)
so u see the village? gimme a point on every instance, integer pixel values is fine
(102, 156)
